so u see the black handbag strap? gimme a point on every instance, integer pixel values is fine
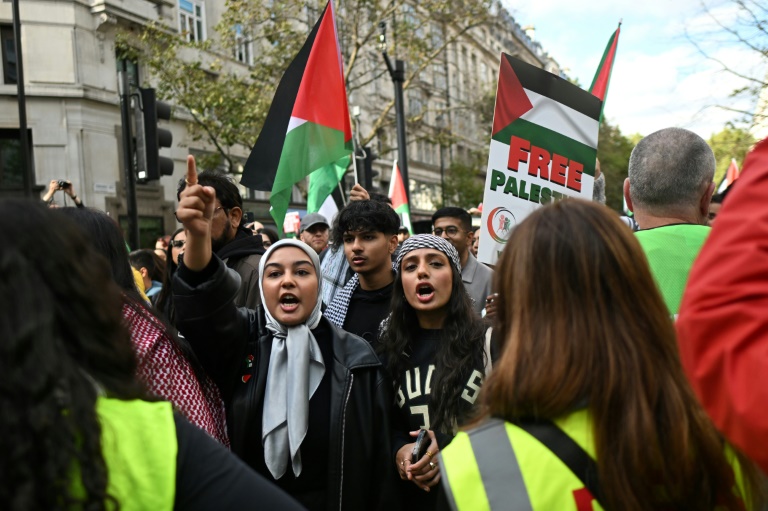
(564, 447)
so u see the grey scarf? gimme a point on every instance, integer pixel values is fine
(296, 368)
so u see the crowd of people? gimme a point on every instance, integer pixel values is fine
(358, 366)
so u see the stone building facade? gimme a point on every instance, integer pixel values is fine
(73, 109)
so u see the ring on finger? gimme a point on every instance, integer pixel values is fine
(187, 181)
(432, 465)
(430, 454)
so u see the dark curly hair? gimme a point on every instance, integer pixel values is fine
(364, 215)
(62, 341)
(460, 349)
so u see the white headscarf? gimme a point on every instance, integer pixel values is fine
(296, 368)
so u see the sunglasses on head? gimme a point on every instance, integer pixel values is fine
(178, 243)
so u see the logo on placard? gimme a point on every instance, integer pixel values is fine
(500, 223)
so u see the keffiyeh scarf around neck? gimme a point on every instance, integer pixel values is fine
(296, 368)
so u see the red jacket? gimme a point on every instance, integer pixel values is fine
(723, 323)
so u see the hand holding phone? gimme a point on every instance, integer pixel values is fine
(420, 447)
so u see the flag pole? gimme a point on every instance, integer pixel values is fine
(341, 191)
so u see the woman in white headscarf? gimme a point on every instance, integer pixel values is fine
(307, 403)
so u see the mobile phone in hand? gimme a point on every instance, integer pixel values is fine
(420, 447)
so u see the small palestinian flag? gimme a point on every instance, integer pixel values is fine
(308, 125)
(602, 77)
(547, 111)
(731, 175)
(399, 198)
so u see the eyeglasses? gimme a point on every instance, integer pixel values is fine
(451, 231)
(178, 243)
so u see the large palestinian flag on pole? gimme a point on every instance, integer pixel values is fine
(543, 149)
(307, 126)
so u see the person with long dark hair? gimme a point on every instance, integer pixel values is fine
(435, 351)
(307, 403)
(588, 401)
(75, 430)
(167, 364)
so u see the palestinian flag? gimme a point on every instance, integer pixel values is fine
(545, 110)
(602, 77)
(543, 149)
(731, 175)
(399, 198)
(307, 126)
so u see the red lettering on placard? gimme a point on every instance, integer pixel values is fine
(583, 500)
(539, 163)
(575, 170)
(559, 169)
(518, 152)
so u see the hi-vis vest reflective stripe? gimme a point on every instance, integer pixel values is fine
(499, 466)
(138, 441)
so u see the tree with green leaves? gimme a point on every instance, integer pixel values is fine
(730, 143)
(226, 101)
(613, 150)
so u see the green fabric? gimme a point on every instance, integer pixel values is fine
(323, 181)
(138, 441)
(307, 148)
(671, 251)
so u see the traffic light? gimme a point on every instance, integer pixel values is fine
(150, 138)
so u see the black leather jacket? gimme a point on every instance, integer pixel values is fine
(360, 472)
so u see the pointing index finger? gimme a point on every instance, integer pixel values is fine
(191, 178)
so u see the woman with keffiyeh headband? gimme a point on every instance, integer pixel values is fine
(307, 403)
(436, 352)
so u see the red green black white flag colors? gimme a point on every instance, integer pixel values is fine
(602, 77)
(731, 175)
(399, 198)
(543, 149)
(307, 126)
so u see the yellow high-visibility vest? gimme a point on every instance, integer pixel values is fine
(499, 466)
(139, 445)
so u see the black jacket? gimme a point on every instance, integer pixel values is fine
(243, 254)
(360, 473)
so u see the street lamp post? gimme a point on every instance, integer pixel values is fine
(397, 73)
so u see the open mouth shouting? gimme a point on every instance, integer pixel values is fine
(425, 292)
(289, 302)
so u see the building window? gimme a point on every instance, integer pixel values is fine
(192, 19)
(243, 47)
(9, 54)
(11, 173)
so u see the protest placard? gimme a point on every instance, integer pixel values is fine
(543, 149)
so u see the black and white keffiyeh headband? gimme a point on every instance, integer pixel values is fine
(428, 241)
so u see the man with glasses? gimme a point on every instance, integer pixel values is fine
(230, 240)
(455, 226)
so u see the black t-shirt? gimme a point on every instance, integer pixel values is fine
(366, 311)
(413, 408)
